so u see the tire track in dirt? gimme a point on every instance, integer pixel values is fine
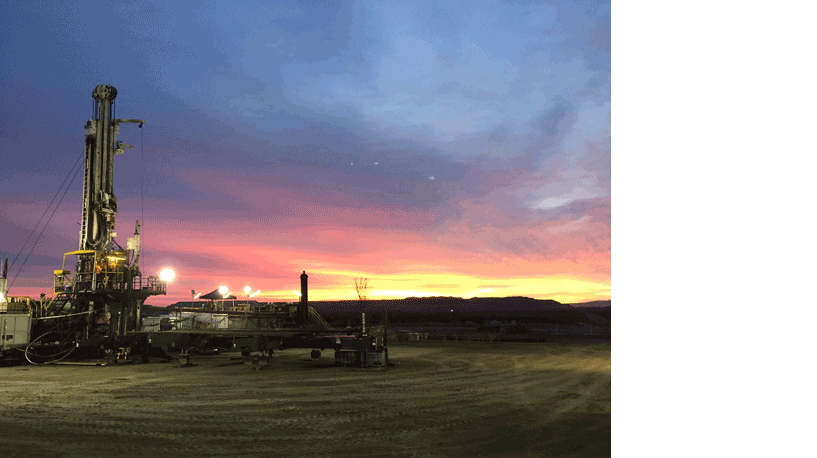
(438, 401)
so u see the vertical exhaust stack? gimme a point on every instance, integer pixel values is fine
(303, 308)
(4, 268)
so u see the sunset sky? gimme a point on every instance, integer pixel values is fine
(443, 148)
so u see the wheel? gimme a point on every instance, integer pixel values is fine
(316, 354)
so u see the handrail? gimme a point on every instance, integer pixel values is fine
(17, 300)
(317, 318)
(63, 316)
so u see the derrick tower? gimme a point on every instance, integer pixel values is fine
(101, 301)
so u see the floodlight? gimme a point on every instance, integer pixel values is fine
(222, 290)
(167, 275)
(247, 290)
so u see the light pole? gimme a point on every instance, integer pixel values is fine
(166, 276)
(223, 291)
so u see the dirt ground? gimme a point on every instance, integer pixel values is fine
(440, 400)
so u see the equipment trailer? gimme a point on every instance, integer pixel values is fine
(352, 346)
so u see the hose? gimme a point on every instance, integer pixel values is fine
(51, 361)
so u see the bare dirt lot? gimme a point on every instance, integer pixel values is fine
(511, 399)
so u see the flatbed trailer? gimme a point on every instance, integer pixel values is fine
(352, 347)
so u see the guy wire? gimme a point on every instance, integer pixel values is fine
(45, 211)
(53, 212)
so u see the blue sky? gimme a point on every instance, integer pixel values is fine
(448, 127)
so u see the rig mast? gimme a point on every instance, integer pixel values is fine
(101, 302)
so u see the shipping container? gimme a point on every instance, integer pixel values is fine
(15, 329)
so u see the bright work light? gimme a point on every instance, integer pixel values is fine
(167, 275)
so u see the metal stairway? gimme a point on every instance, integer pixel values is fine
(55, 306)
(317, 318)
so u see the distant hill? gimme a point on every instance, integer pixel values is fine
(445, 309)
(597, 312)
(453, 309)
(446, 304)
(436, 304)
(593, 304)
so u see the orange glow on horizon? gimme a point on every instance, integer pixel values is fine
(333, 285)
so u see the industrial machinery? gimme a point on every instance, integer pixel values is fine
(98, 303)
(15, 320)
(299, 326)
(95, 308)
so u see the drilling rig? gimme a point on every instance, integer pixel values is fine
(96, 306)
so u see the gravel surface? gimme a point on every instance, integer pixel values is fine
(512, 399)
